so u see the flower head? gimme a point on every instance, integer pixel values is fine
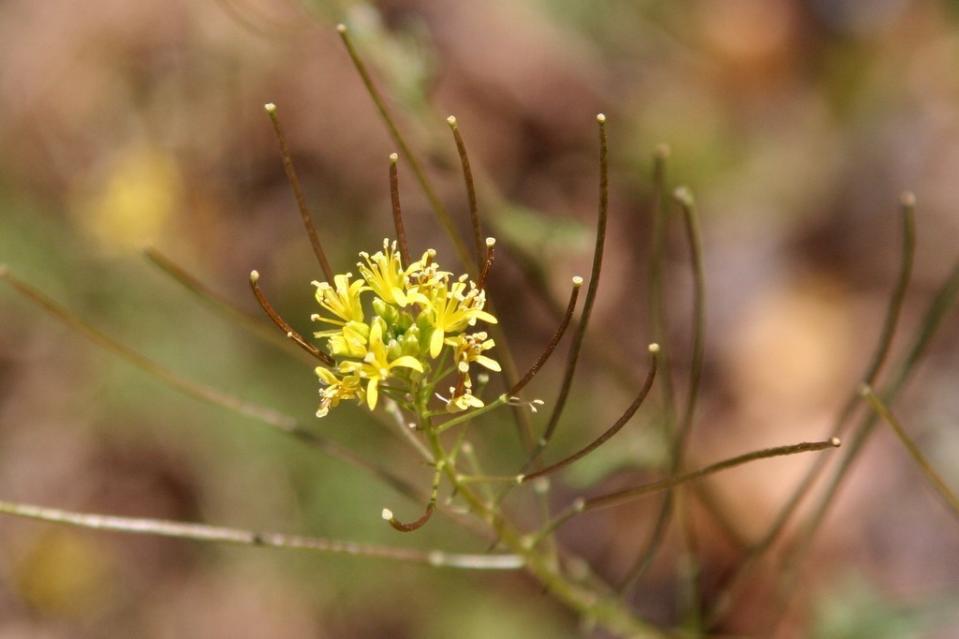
(389, 328)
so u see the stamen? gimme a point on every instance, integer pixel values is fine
(283, 325)
(294, 181)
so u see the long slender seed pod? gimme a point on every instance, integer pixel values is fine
(553, 342)
(612, 430)
(430, 506)
(397, 212)
(220, 534)
(580, 332)
(620, 497)
(470, 189)
(294, 181)
(283, 325)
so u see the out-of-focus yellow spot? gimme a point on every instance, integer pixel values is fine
(131, 203)
(63, 574)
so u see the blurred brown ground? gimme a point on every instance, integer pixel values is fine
(796, 123)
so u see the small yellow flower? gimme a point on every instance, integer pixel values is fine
(455, 308)
(376, 366)
(336, 389)
(469, 348)
(384, 272)
(343, 302)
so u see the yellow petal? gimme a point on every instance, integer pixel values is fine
(436, 342)
(489, 363)
(486, 317)
(407, 361)
(372, 393)
(326, 375)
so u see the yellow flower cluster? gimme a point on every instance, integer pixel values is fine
(390, 326)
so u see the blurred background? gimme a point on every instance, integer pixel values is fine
(127, 125)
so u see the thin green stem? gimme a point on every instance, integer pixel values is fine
(657, 302)
(255, 324)
(476, 468)
(588, 602)
(220, 534)
(948, 496)
(694, 237)
(591, 290)
(294, 181)
(406, 432)
(735, 584)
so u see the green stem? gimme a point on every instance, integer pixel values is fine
(466, 417)
(598, 607)
(949, 497)
(220, 534)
